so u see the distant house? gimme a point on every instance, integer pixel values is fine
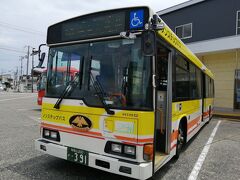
(6, 79)
(211, 29)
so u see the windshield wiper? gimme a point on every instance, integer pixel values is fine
(72, 85)
(100, 93)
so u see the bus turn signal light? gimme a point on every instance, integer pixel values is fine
(148, 152)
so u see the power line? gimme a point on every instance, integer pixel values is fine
(12, 49)
(23, 29)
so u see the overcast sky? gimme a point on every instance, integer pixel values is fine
(25, 22)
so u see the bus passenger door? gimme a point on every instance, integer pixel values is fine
(162, 105)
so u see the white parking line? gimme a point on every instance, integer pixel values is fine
(37, 119)
(1, 100)
(201, 158)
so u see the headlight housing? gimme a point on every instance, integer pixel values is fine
(51, 134)
(130, 150)
(120, 149)
(116, 148)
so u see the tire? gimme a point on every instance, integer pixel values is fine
(210, 110)
(180, 140)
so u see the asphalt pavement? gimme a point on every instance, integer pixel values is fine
(19, 127)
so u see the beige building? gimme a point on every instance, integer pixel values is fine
(222, 57)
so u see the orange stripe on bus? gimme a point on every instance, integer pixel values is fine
(174, 135)
(70, 129)
(123, 138)
(175, 145)
(193, 122)
(80, 134)
(205, 114)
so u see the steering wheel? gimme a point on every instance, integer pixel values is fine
(120, 97)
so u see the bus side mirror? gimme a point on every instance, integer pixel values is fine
(41, 60)
(148, 43)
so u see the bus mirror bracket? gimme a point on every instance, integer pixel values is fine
(127, 35)
(148, 42)
(157, 23)
(41, 56)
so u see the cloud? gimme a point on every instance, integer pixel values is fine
(36, 16)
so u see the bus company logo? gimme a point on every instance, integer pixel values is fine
(80, 123)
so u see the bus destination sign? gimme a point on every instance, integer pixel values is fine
(102, 24)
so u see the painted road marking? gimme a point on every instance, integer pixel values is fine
(201, 158)
(1, 100)
(23, 109)
(37, 119)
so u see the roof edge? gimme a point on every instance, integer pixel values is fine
(179, 6)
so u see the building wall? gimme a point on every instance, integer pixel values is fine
(210, 19)
(223, 66)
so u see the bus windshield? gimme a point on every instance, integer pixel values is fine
(115, 67)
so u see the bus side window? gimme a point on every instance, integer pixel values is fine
(193, 82)
(182, 85)
(207, 87)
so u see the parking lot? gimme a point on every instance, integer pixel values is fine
(19, 126)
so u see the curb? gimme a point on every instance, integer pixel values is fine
(229, 116)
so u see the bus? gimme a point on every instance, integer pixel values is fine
(41, 85)
(139, 95)
(61, 75)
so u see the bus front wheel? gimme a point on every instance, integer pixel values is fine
(180, 140)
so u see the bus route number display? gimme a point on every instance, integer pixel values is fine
(92, 27)
(97, 25)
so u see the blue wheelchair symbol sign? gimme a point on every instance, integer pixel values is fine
(136, 19)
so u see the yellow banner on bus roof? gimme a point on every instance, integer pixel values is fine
(167, 34)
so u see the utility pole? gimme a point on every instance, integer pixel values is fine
(21, 71)
(28, 53)
(34, 52)
(32, 66)
(27, 56)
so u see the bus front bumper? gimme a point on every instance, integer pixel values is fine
(133, 170)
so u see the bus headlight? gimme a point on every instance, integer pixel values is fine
(116, 148)
(120, 149)
(131, 150)
(51, 134)
(46, 133)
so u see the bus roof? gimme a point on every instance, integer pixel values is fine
(97, 25)
(167, 34)
(66, 31)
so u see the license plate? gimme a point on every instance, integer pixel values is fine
(77, 155)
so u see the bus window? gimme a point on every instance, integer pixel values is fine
(207, 87)
(65, 63)
(199, 82)
(182, 79)
(193, 82)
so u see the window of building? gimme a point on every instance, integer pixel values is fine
(238, 22)
(237, 90)
(184, 31)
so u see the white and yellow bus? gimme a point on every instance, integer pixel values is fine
(138, 95)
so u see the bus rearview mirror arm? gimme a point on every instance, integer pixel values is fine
(41, 56)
